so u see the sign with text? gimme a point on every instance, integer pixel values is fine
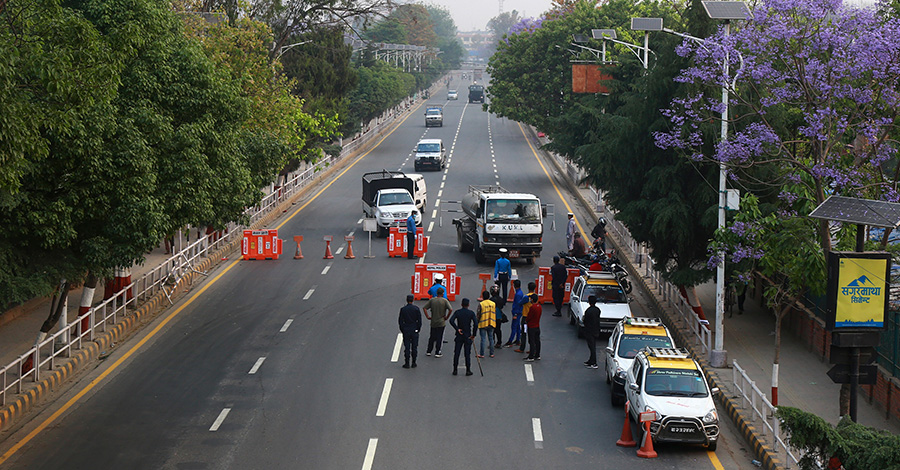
(858, 285)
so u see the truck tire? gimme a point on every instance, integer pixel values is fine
(529, 261)
(461, 244)
(479, 254)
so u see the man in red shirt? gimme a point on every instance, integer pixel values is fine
(534, 330)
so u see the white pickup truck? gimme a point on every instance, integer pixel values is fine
(387, 197)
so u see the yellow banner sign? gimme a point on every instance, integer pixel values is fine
(861, 293)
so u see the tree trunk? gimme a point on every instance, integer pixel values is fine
(778, 317)
(56, 307)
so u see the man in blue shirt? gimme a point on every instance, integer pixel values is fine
(438, 284)
(502, 269)
(411, 234)
(519, 300)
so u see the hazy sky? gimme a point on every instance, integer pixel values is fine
(470, 15)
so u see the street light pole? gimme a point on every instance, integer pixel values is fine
(718, 357)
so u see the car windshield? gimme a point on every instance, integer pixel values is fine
(392, 199)
(428, 148)
(513, 210)
(605, 294)
(433, 112)
(630, 345)
(675, 383)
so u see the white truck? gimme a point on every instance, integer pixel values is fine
(495, 218)
(387, 197)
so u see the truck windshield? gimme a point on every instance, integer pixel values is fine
(428, 148)
(605, 294)
(525, 211)
(392, 199)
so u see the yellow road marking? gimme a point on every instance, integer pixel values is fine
(714, 460)
(15, 448)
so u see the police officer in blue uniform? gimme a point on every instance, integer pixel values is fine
(411, 234)
(502, 269)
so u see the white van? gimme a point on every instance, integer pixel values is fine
(421, 195)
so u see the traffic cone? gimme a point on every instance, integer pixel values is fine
(349, 254)
(328, 254)
(485, 277)
(298, 239)
(646, 451)
(627, 440)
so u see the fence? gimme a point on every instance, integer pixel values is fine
(761, 409)
(889, 348)
(48, 354)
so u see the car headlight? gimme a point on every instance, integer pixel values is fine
(711, 418)
(620, 373)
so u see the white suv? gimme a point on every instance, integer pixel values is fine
(671, 383)
(627, 339)
(611, 300)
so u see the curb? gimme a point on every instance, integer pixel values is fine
(91, 350)
(763, 452)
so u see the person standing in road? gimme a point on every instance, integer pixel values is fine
(500, 303)
(411, 234)
(465, 324)
(558, 276)
(487, 319)
(515, 332)
(440, 309)
(534, 330)
(410, 323)
(502, 269)
(438, 284)
(591, 331)
(570, 232)
(526, 306)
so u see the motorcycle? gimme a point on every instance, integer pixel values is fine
(609, 262)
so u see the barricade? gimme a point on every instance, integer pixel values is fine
(423, 278)
(570, 280)
(544, 287)
(261, 244)
(397, 247)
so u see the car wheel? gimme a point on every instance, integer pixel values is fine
(381, 232)
(614, 400)
(579, 332)
(529, 261)
(712, 446)
(608, 378)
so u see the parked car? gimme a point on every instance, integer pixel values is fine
(670, 384)
(627, 339)
(611, 300)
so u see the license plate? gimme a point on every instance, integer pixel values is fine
(683, 430)
(513, 253)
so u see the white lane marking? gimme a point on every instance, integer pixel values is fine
(218, 421)
(385, 394)
(397, 345)
(257, 365)
(359, 221)
(538, 435)
(442, 185)
(351, 233)
(287, 324)
(434, 213)
(437, 202)
(370, 454)
(431, 226)
(444, 178)
(440, 192)
(325, 271)
(310, 293)
(529, 374)
(339, 250)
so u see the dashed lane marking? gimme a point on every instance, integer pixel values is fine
(257, 365)
(310, 293)
(529, 374)
(287, 324)
(538, 435)
(434, 213)
(396, 355)
(431, 226)
(385, 394)
(370, 454)
(325, 271)
(219, 420)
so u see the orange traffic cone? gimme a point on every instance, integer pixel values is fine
(298, 239)
(328, 254)
(646, 451)
(349, 254)
(485, 277)
(627, 440)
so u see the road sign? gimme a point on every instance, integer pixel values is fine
(840, 374)
(841, 355)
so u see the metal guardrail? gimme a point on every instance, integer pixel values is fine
(760, 408)
(59, 346)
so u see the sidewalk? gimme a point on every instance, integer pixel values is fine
(20, 325)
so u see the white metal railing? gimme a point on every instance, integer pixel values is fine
(760, 408)
(59, 346)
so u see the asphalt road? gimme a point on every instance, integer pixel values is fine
(293, 363)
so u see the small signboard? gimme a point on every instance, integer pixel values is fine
(858, 285)
(370, 225)
(648, 416)
(840, 374)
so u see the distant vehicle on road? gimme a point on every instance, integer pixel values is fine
(434, 115)
(387, 196)
(494, 218)
(452, 95)
(476, 93)
(430, 153)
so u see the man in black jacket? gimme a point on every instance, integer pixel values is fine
(465, 324)
(558, 276)
(410, 323)
(591, 331)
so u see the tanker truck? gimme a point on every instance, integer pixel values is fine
(495, 218)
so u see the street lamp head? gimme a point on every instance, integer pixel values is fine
(603, 33)
(726, 10)
(646, 24)
(579, 38)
